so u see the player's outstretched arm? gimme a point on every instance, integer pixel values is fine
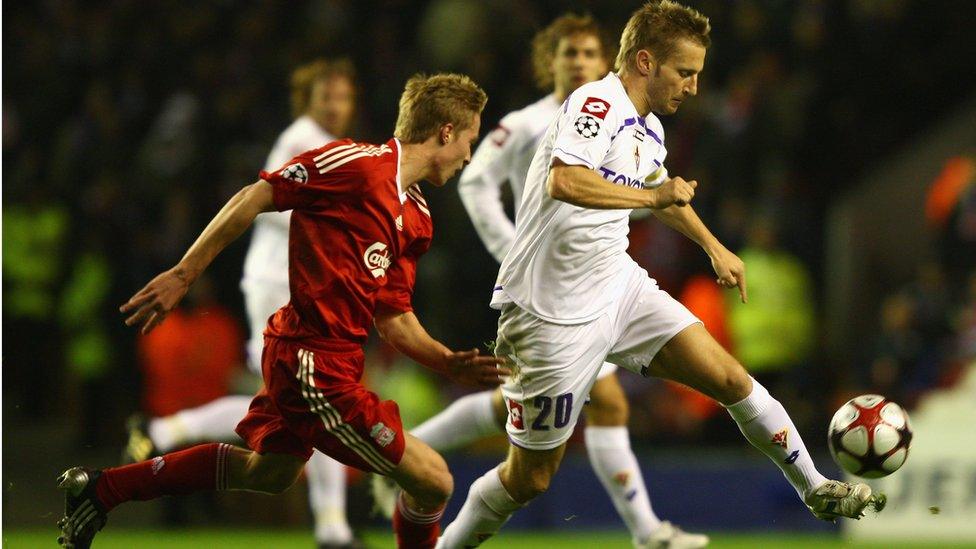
(483, 201)
(150, 305)
(581, 186)
(731, 271)
(404, 331)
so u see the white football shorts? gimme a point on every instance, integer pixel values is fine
(261, 300)
(555, 365)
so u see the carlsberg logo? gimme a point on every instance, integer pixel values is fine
(377, 259)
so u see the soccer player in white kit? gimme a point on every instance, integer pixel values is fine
(572, 298)
(323, 102)
(568, 53)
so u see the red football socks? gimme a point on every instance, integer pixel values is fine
(414, 529)
(195, 469)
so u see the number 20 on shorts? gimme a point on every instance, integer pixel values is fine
(563, 411)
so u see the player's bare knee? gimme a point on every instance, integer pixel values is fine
(525, 484)
(534, 485)
(272, 473)
(434, 489)
(607, 412)
(498, 407)
(277, 481)
(735, 384)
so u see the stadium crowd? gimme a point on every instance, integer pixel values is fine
(122, 116)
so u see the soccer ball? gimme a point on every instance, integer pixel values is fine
(869, 436)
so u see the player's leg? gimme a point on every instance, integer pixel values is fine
(496, 495)
(694, 358)
(327, 497)
(608, 447)
(613, 460)
(467, 419)
(554, 367)
(213, 421)
(426, 485)
(91, 494)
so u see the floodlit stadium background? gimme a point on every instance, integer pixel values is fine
(847, 129)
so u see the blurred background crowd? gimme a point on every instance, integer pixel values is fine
(126, 125)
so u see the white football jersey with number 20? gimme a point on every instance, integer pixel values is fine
(566, 260)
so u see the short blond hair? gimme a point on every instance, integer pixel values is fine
(308, 74)
(429, 102)
(546, 41)
(657, 27)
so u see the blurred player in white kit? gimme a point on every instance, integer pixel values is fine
(568, 53)
(323, 98)
(571, 298)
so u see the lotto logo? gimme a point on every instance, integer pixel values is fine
(596, 106)
(515, 414)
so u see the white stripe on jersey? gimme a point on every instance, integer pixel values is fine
(338, 156)
(346, 160)
(333, 151)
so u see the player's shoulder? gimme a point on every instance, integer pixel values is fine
(369, 160)
(604, 98)
(529, 115)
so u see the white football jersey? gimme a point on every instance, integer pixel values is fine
(504, 155)
(267, 255)
(565, 262)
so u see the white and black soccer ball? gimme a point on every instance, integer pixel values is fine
(587, 126)
(869, 436)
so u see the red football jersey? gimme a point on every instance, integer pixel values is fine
(354, 239)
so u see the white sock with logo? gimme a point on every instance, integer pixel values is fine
(487, 508)
(214, 421)
(618, 471)
(327, 496)
(767, 426)
(467, 419)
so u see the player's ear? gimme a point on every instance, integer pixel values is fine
(447, 130)
(645, 62)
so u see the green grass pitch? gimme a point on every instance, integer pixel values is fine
(121, 538)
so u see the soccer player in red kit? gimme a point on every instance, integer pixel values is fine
(358, 226)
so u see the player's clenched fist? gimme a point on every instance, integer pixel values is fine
(472, 368)
(150, 305)
(675, 191)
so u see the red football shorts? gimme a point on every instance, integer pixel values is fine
(314, 399)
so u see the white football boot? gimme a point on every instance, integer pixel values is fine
(670, 536)
(835, 499)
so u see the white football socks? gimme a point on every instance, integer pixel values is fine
(618, 471)
(767, 426)
(214, 421)
(487, 508)
(467, 419)
(327, 496)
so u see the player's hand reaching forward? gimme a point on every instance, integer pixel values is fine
(674, 191)
(473, 368)
(731, 271)
(150, 305)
